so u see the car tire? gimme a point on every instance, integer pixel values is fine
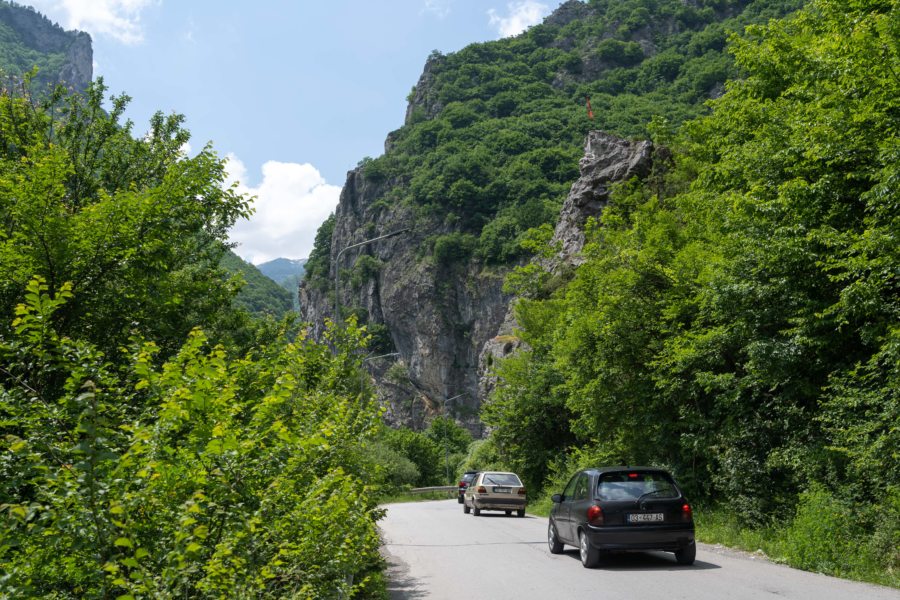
(459, 500)
(466, 508)
(590, 556)
(520, 513)
(508, 513)
(476, 511)
(556, 546)
(686, 555)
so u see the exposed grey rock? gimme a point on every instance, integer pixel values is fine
(438, 319)
(607, 160)
(41, 34)
(568, 12)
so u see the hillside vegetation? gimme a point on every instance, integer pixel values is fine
(739, 320)
(259, 295)
(494, 132)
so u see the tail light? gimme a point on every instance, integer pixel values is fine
(595, 515)
(686, 512)
(521, 491)
(481, 490)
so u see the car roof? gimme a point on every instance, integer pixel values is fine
(621, 468)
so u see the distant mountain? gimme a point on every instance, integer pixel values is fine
(260, 295)
(284, 270)
(28, 39)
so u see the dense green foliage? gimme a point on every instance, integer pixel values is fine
(435, 454)
(259, 294)
(204, 476)
(741, 322)
(155, 441)
(493, 141)
(137, 227)
(18, 60)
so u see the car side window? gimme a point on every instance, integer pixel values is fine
(569, 492)
(581, 488)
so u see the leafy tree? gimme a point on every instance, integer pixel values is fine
(206, 476)
(137, 227)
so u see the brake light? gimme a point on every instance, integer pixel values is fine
(686, 512)
(481, 490)
(633, 476)
(595, 515)
(521, 491)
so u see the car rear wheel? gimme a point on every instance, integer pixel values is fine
(686, 555)
(476, 511)
(520, 513)
(590, 556)
(466, 508)
(556, 546)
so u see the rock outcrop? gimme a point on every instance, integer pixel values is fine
(437, 320)
(448, 327)
(37, 32)
(607, 160)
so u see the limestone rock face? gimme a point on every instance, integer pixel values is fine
(437, 319)
(607, 159)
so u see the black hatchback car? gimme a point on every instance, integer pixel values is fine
(615, 509)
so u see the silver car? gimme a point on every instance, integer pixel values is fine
(495, 490)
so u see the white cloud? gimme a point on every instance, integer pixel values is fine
(118, 19)
(522, 15)
(439, 8)
(291, 202)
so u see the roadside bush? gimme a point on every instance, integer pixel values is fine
(205, 477)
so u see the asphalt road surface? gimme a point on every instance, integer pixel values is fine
(435, 551)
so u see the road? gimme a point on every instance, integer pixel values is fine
(435, 551)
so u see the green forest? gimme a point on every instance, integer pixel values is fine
(736, 319)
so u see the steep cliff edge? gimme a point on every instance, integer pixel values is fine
(29, 39)
(489, 150)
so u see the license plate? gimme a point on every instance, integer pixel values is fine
(645, 518)
(501, 490)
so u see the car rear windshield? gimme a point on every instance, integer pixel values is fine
(468, 477)
(631, 486)
(500, 479)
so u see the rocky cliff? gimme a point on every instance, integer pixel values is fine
(30, 39)
(437, 320)
(488, 151)
(445, 326)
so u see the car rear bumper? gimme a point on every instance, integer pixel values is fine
(644, 537)
(499, 503)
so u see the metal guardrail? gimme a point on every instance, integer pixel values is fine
(439, 488)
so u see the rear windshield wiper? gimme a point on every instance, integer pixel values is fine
(653, 493)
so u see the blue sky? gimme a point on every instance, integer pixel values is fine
(295, 93)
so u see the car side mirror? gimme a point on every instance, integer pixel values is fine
(556, 498)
